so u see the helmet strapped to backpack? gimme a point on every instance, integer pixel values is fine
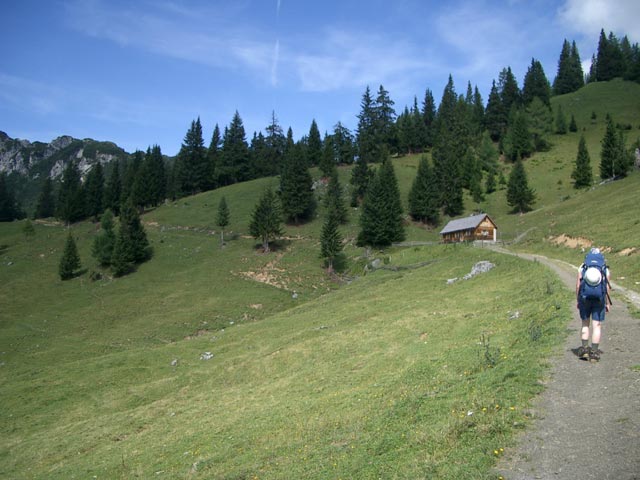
(593, 285)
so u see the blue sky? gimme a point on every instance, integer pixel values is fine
(138, 72)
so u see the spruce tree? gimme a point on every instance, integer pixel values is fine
(46, 206)
(509, 91)
(334, 202)
(582, 173)
(570, 76)
(131, 184)
(121, 262)
(518, 142)
(94, 192)
(536, 84)
(573, 126)
(234, 157)
(381, 220)
(330, 241)
(519, 195)
(9, 208)
(70, 205)
(296, 192)
(213, 156)
(495, 116)
(314, 146)
(561, 122)
(361, 177)
(136, 247)
(428, 117)
(384, 121)
(70, 261)
(103, 244)
(343, 144)
(327, 160)
(423, 196)
(540, 123)
(194, 172)
(613, 160)
(266, 219)
(366, 134)
(113, 190)
(222, 220)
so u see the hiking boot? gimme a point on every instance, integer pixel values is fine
(584, 352)
(594, 355)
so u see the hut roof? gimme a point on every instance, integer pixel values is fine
(465, 223)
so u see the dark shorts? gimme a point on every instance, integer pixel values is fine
(592, 308)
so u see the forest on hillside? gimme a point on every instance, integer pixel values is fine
(464, 134)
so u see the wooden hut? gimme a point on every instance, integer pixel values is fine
(468, 229)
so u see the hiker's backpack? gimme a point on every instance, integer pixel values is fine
(593, 285)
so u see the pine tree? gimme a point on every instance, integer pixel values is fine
(518, 142)
(561, 122)
(94, 192)
(612, 158)
(536, 84)
(428, 118)
(314, 146)
(266, 219)
(275, 144)
(509, 91)
(296, 193)
(381, 221)
(330, 241)
(131, 185)
(156, 176)
(570, 76)
(112, 193)
(343, 144)
(213, 156)
(366, 133)
(495, 116)
(135, 246)
(361, 177)
(234, 157)
(573, 126)
(384, 121)
(102, 248)
(194, 171)
(70, 261)
(519, 195)
(222, 220)
(328, 159)
(70, 205)
(423, 196)
(46, 206)
(121, 262)
(334, 202)
(582, 173)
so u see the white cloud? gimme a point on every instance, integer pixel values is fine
(588, 17)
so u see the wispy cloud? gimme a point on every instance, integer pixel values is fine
(588, 17)
(210, 41)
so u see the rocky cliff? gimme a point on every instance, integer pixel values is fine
(33, 160)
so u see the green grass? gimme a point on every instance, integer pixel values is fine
(393, 375)
(349, 384)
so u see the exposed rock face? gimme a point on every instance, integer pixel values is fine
(36, 159)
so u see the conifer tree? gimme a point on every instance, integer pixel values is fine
(343, 144)
(366, 133)
(509, 91)
(573, 126)
(194, 171)
(314, 146)
(131, 185)
(135, 246)
(113, 190)
(423, 196)
(361, 177)
(327, 160)
(70, 205)
(490, 182)
(582, 173)
(330, 241)
(121, 262)
(266, 220)
(540, 124)
(70, 261)
(570, 76)
(213, 156)
(103, 244)
(334, 202)
(519, 195)
(561, 122)
(495, 116)
(536, 84)
(428, 117)
(296, 193)
(46, 206)
(381, 219)
(234, 156)
(94, 192)
(275, 145)
(518, 142)
(614, 160)
(156, 176)
(222, 220)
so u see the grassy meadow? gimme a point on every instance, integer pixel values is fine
(386, 374)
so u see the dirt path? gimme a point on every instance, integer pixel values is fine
(587, 422)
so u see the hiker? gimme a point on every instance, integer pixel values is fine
(592, 292)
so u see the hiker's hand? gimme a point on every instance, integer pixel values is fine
(607, 307)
